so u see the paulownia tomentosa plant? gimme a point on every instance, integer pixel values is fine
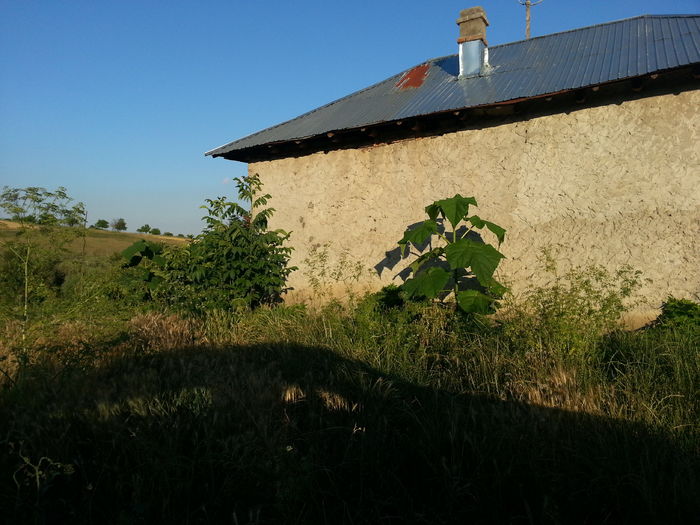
(461, 264)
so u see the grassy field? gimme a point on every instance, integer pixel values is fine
(348, 414)
(120, 406)
(97, 242)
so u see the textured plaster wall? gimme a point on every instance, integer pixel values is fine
(611, 185)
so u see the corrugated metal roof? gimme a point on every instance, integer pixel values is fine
(529, 68)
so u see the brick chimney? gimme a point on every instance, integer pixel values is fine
(473, 50)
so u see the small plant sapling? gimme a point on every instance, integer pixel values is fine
(459, 259)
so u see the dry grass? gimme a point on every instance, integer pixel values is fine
(160, 332)
(97, 242)
(349, 415)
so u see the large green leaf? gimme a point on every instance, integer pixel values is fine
(498, 231)
(459, 254)
(455, 208)
(155, 281)
(418, 235)
(433, 210)
(427, 284)
(473, 301)
(484, 262)
(428, 256)
(477, 221)
(132, 250)
(496, 289)
(159, 260)
(482, 258)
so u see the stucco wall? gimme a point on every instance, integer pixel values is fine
(612, 185)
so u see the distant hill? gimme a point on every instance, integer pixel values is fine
(98, 242)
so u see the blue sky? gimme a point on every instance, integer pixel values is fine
(119, 100)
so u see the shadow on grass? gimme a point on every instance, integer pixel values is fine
(299, 434)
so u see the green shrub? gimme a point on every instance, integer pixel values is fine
(679, 313)
(573, 311)
(235, 262)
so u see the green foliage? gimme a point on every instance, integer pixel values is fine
(118, 225)
(235, 262)
(167, 234)
(101, 224)
(374, 413)
(679, 313)
(152, 263)
(29, 262)
(155, 231)
(576, 307)
(236, 258)
(144, 229)
(459, 264)
(38, 206)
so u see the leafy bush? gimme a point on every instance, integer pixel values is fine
(234, 262)
(679, 313)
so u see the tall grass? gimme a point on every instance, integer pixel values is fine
(355, 413)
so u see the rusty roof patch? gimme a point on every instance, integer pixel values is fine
(414, 78)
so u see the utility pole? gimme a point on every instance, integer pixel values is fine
(528, 4)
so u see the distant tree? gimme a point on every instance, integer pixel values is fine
(101, 224)
(155, 231)
(144, 229)
(181, 235)
(30, 257)
(190, 236)
(118, 225)
(167, 234)
(77, 220)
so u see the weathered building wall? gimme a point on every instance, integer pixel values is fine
(612, 185)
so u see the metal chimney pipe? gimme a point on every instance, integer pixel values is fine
(473, 50)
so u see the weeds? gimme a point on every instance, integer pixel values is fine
(329, 278)
(374, 410)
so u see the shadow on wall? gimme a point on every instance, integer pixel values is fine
(299, 434)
